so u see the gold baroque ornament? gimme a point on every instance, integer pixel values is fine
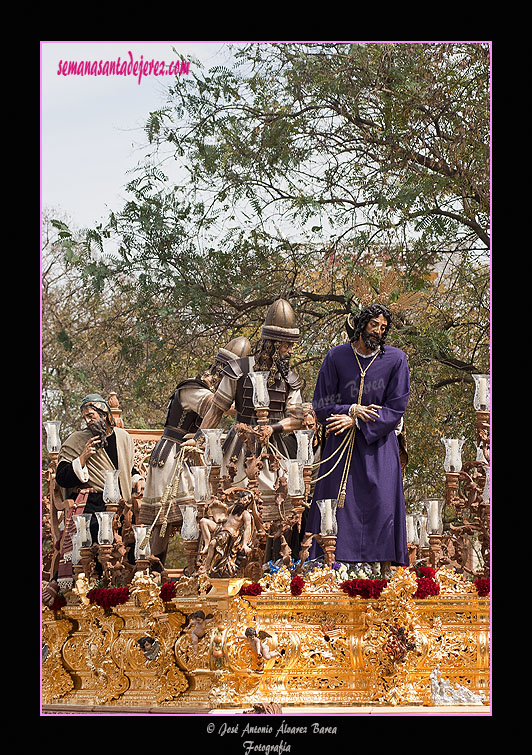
(164, 628)
(323, 647)
(56, 681)
(393, 615)
(109, 680)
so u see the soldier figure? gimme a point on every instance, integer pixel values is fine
(188, 405)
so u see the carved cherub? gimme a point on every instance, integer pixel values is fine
(150, 647)
(199, 626)
(82, 588)
(262, 644)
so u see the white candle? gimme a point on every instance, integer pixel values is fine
(411, 530)
(106, 528)
(482, 392)
(52, 435)
(261, 392)
(433, 514)
(81, 526)
(454, 454)
(200, 482)
(213, 447)
(293, 476)
(189, 528)
(304, 445)
(423, 539)
(327, 516)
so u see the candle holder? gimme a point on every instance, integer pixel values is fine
(294, 475)
(305, 452)
(434, 507)
(201, 476)
(453, 454)
(328, 524)
(261, 396)
(435, 549)
(328, 545)
(53, 441)
(189, 528)
(105, 527)
(213, 447)
(111, 489)
(481, 399)
(412, 537)
(142, 550)
(88, 563)
(424, 545)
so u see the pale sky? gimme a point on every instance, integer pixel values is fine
(92, 126)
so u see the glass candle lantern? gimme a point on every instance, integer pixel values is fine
(259, 381)
(453, 454)
(111, 487)
(487, 487)
(305, 453)
(433, 507)
(412, 536)
(201, 483)
(294, 475)
(53, 441)
(82, 523)
(481, 399)
(142, 549)
(328, 524)
(213, 447)
(189, 528)
(423, 539)
(105, 527)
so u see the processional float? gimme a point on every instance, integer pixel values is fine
(228, 633)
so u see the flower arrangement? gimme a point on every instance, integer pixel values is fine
(296, 585)
(252, 589)
(107, 597)
(59, 602)
(168, 591)
(365, 588)
(426, 584)
(483, 587)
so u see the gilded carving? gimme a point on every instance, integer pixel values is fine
(56, 681)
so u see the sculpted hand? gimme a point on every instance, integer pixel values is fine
(339, 423)
(264, 432)
(90, 448)
(365, 413)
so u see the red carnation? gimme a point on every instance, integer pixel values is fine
(426, 587)
(107, 597)
(253, 589)
(365, 588)
(59, 602)
(296, 585)
(168, 591)
(483, 587)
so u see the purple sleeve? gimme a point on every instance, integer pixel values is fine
(327, 393)
(393, 405)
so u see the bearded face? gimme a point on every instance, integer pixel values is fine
(371, 340)
(274, 356)
(98, 428)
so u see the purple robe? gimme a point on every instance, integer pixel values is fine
(372, 524)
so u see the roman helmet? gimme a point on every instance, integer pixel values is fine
(280, 323)
(235, 349)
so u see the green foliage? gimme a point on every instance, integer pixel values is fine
(303, 168)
